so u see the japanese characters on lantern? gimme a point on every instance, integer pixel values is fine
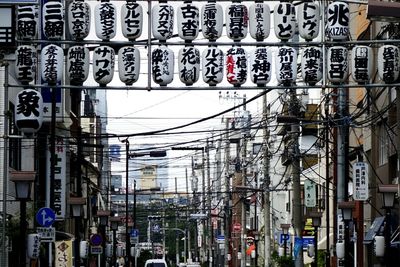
(259, 21)
(236, 66)
(103, 64)
(260, 65)
(78, 62)
(26, 22)
(53, 20)
(286, 65)
(25, 63)
(189, 65)
(338, 17)
(388, 63)
(212, 21)
(311, 65)
(162, 59)
(337, 69)
(188, 21)
(308, 20)
(162, 21)
(128, 64)
(212, 65)
(79, 20)
(237, 20)
(52, 62)
(29, 111)
(105, 20)
(284, 20)
(361, 63)
(131, 20)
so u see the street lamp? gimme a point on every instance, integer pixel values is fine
(285, 229)
(114, 221)
(346, 209)
(316, 222)
(388, 197)
(103, 221)
(23, 183)
(76, 204)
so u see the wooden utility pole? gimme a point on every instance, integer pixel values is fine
(267, 182)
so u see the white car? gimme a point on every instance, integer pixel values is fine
(156, 263)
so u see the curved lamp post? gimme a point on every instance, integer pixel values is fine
(388, 197)
(285, 229)
(76, 204)
(23, 184)
(103, 222)
(346, 208)
(316, 222)
(114, 222)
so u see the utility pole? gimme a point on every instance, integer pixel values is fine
(210, 224)
(227, 213)
(267, 182)
(294, 111)
(244, 182)
(187, 230)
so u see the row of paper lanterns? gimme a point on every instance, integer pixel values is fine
(239, 19)
(237, 64)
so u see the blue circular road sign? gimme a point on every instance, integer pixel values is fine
(45, 217)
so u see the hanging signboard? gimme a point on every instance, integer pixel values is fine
(59, 177)
(310, 194)
(360, 181)
(63, 253)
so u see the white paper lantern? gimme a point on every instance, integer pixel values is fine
(388, 63)
(259, 21)
(84, 249)
(188, 21)
(25, 63)
(128, 64)
(105, 14)
(340, 249)
(103, 64)
(189, 65)
(286, 65)
(212, 65)
(78, 62)
(132, 20)
(237, 20)
(119, 251)
(284, 20)
(261, 65)
(338, 17)
(338, 67)
(236, 66)
(162, 59)
(29, 111)
(361, 63)
(379, 246)
(52, 63)
(162, 21)
(26, 22)
(33, 246)
(311, 65)
(79, 20)
(212, 21)
(53, 20)
(308, 20)
(109, 250)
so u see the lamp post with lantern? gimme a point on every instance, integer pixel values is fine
(346, 209)
(316, 222)
(114, 221)
(103, 222)
(388, 198)
(76, 204)
(23, 184)
(285, 229)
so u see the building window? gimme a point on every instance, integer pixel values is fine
(383, 140)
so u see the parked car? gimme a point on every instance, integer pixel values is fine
(156, 263)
